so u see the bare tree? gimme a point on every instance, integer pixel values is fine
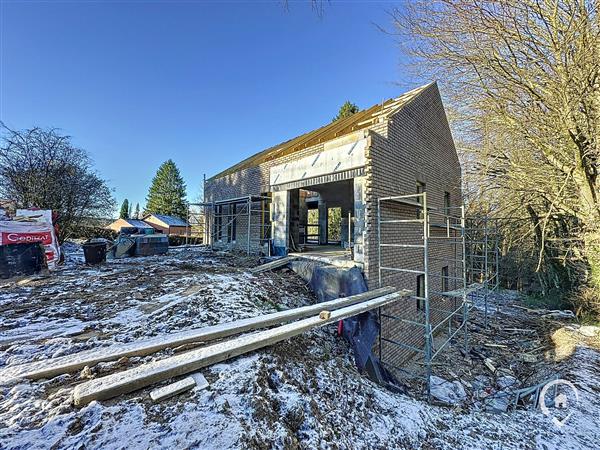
(524, 81)
(41, 168)
(318, 6)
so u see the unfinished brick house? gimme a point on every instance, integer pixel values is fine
(283, 199)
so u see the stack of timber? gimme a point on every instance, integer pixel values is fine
(130, 380)
(71, 363)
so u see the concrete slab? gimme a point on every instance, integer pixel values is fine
(335, 256)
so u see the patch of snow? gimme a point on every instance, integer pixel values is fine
(42, 328)
(302, 393)
(447, 392)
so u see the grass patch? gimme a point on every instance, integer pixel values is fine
(589, 319)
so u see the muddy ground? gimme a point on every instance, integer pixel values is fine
(301, 393)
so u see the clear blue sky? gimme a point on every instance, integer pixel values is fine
(204, 83)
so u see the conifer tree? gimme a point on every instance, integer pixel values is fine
(346, 110)
(167, 192)
(136, 214)
(124, 213)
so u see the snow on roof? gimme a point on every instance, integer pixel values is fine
(170, 220)
(137, 223)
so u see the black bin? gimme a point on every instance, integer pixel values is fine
(21, 259)
(94, 252)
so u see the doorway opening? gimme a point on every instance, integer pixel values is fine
(321, 217)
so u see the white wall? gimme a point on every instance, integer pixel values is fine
(345, 156)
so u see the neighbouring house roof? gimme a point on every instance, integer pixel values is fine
(137, 223)
(168, 221)
(361, 120)
(7, 203)
(120, 223)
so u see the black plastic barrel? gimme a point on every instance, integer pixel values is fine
(21, 259)
(94, 252)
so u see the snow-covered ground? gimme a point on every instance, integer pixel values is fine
(302, 393)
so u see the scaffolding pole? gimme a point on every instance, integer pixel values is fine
(470, 256)
(218, 224)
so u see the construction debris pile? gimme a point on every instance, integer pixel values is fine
(304, 392)
(508, 363)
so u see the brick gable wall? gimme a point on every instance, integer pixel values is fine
(416, 146)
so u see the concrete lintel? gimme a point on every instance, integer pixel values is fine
(334, 260)
(343, 157)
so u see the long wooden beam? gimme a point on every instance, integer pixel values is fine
(70, 363)
(145, 375)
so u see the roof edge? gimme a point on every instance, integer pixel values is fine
(358, 120)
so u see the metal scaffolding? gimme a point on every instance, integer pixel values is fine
(221, 219)
(483, 259)
(196, 224)
(410, 231)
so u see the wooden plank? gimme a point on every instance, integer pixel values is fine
(172, 389)
(139, 377)
(201, 382)
(196, 380)
(272, 265)
(459, 292)
(70, 363)
(489, 364)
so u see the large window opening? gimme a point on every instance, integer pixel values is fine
(321, 217)
(232, 223)
(445, 279)
(420, 189)
(218, 222)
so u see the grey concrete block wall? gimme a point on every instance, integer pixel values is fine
(253, 180)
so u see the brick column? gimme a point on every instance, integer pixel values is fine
(359, 219)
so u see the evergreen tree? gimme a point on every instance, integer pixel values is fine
(124, 213)
(136, 214)
(346, 110)
(167, 192)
